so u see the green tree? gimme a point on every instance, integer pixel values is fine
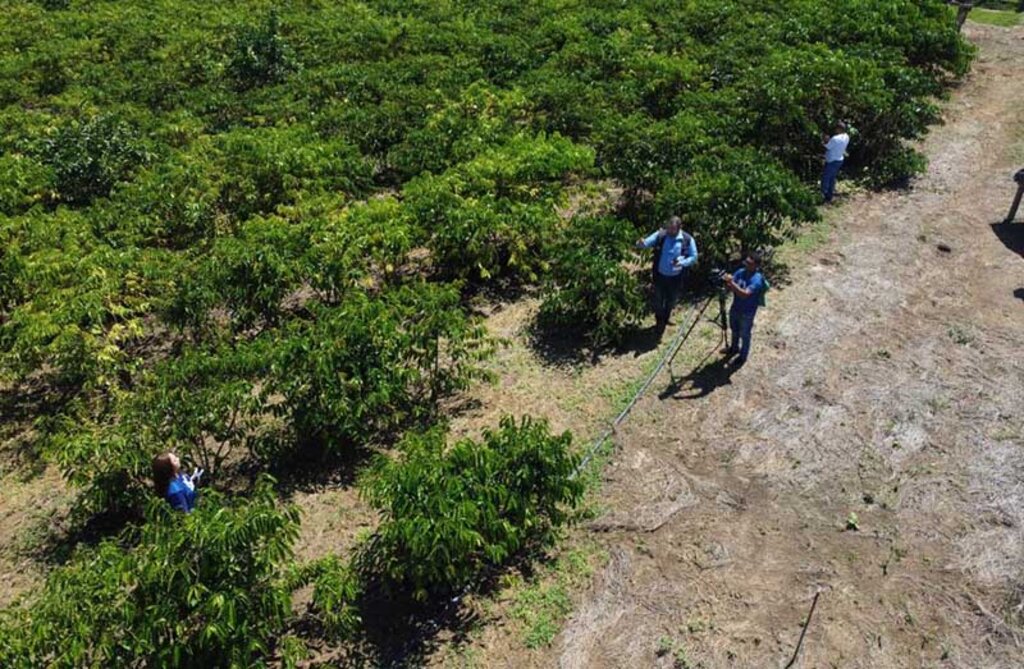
(373, 364)
(449, 512)
(746, 201)
(183, 590)
(260, 55)
(594, 286)
(88, 157)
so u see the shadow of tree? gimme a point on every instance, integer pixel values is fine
(307, 464)
(309, 467)
(566, 347)
(779, 273)
(59, 538)
(560, 347)
(640, 342)
(399, 632)
(22, 405)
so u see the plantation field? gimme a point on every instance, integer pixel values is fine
(371, 266)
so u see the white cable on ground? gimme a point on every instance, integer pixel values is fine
(669, 354)
(434, 623)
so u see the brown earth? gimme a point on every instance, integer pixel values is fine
(872, 449)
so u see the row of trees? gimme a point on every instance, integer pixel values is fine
(215, 587)
(256, 234)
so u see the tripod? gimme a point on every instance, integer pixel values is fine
(720, 319)
(1019, 178)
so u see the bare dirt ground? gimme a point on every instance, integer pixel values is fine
(872, 450)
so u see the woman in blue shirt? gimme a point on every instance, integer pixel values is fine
(178, 489)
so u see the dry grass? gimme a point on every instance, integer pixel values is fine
(33, 509)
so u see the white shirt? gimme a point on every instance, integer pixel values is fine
(836, 147)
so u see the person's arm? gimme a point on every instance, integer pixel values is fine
(648, 242)
(755, 284)
(735, 289)
(691, 258)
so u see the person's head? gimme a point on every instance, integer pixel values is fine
(165, 467)
(840, 127)
(673, 225)
(752, 261)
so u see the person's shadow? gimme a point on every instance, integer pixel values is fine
(1011, 235)
(702, 381)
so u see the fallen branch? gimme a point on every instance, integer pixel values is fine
(800, 641)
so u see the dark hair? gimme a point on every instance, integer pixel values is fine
(675, 220)
(753, 255)
(163, 473)
(841, 125)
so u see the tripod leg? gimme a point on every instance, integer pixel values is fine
(1016, 204)
(722, 317)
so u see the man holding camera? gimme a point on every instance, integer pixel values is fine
(674, 252)
(747, 285)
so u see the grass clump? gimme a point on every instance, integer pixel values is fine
(995, 17)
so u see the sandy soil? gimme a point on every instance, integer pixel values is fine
(872, 450)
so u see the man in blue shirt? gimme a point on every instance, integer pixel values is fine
(747, 286)
(674, 252)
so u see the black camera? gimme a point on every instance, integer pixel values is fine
(718, 276)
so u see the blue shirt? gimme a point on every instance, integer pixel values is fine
(673, 248)
(753, 283)
(180, 495)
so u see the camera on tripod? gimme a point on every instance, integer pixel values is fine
(717, 276)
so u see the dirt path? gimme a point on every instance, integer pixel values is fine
(887, 382)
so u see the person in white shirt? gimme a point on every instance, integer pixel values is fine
(835, 152)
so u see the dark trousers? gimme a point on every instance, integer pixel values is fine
(742, 326)
(666, 294)
(828, 179)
